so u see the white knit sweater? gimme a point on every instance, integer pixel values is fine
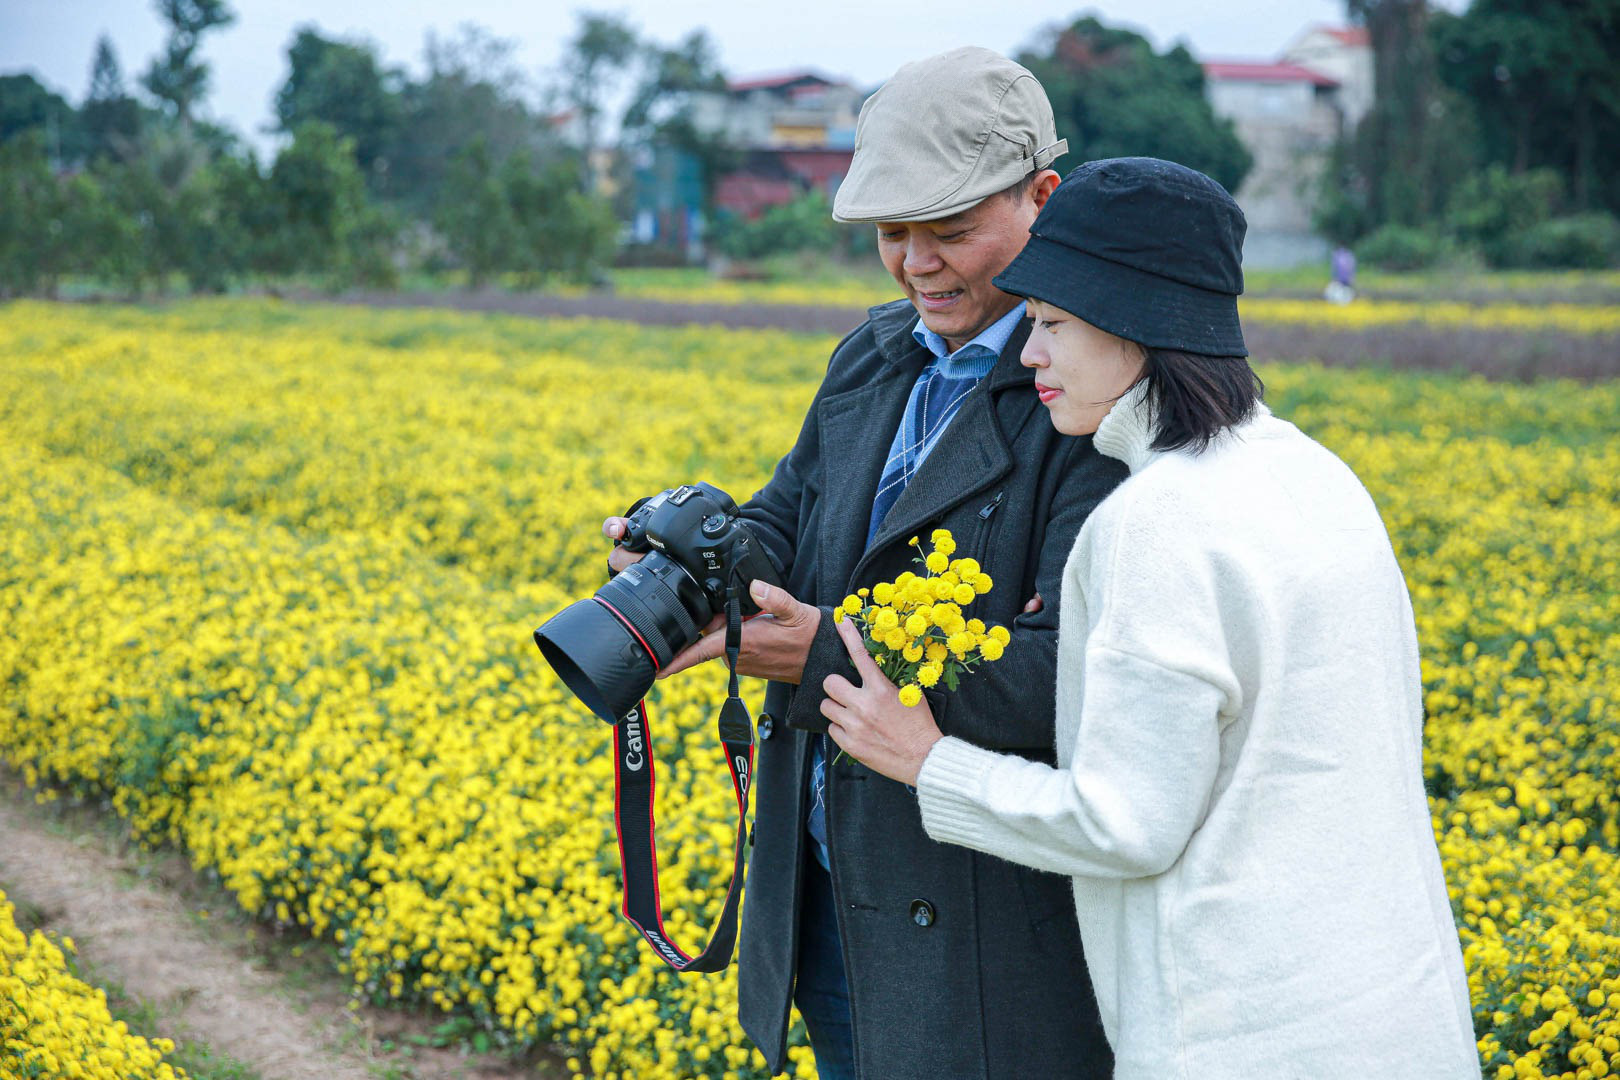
(1239, 793)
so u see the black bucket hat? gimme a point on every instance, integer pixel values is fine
(1143, 248)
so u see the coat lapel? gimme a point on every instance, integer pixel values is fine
(856, 429)
(971, 455)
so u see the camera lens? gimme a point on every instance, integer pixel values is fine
(608, 649)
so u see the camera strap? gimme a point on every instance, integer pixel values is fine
(634, 782)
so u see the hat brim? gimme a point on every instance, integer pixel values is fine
(1129, 303)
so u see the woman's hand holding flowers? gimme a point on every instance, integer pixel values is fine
(870, 723)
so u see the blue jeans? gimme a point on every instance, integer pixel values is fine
(822, 991)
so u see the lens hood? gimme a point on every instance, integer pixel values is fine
(597, 657)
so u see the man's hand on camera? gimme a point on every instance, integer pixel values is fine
(613, 528)
(775, 643)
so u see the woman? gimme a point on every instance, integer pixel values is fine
(1238, 793)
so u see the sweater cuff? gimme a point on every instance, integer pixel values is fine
(948, 788)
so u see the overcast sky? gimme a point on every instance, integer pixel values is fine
(861, 40)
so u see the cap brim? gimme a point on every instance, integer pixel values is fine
(1130, 303)
(855, 214)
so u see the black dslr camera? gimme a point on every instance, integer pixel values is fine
(608, 648)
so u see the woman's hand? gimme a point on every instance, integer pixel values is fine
(869, 723)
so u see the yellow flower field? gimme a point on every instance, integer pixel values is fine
(53, 1025)
(269, 573)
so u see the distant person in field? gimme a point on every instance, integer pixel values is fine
(1342, 289)
(1238, 790)
(910, 959)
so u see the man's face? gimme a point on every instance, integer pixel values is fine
(945, 266)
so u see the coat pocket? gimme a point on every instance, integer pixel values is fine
(989, 517)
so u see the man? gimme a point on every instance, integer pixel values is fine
(909, 958)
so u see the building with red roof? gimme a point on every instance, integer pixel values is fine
(1289, 112)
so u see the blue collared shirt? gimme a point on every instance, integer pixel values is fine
(993, 338)
(972, 361)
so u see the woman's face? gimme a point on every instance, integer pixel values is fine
(1080, 371)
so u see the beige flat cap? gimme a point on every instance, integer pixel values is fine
(945, 133)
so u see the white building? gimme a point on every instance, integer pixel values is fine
(1289, 114)
(794, 109)
(1341, 53)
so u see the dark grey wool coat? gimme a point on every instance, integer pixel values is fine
(990, 981)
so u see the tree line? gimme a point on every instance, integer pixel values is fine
(378, 171)
(1494, 136)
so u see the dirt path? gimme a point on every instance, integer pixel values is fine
(1518, 355)
(206, 972)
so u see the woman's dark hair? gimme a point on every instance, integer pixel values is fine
(1196, 397)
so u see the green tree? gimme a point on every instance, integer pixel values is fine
(320, 200)
(163, 194)
(110, 118)
(1418, 140)
(805, 224)
(595, 60)
(1113, 96)
(472, 90)
(344, 85)
(559, 230)
(50, 225)
(98, 234)
(178, 78)
(475, 215)
(1491, 209)
(662, 107)
(1546, 77)
(32, 250)
(28, 105)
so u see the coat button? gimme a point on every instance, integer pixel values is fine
(766, 726)
(922, 913)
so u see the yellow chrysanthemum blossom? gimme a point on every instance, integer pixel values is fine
(910, 694)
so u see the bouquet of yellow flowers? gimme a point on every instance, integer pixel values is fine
(914, 626)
